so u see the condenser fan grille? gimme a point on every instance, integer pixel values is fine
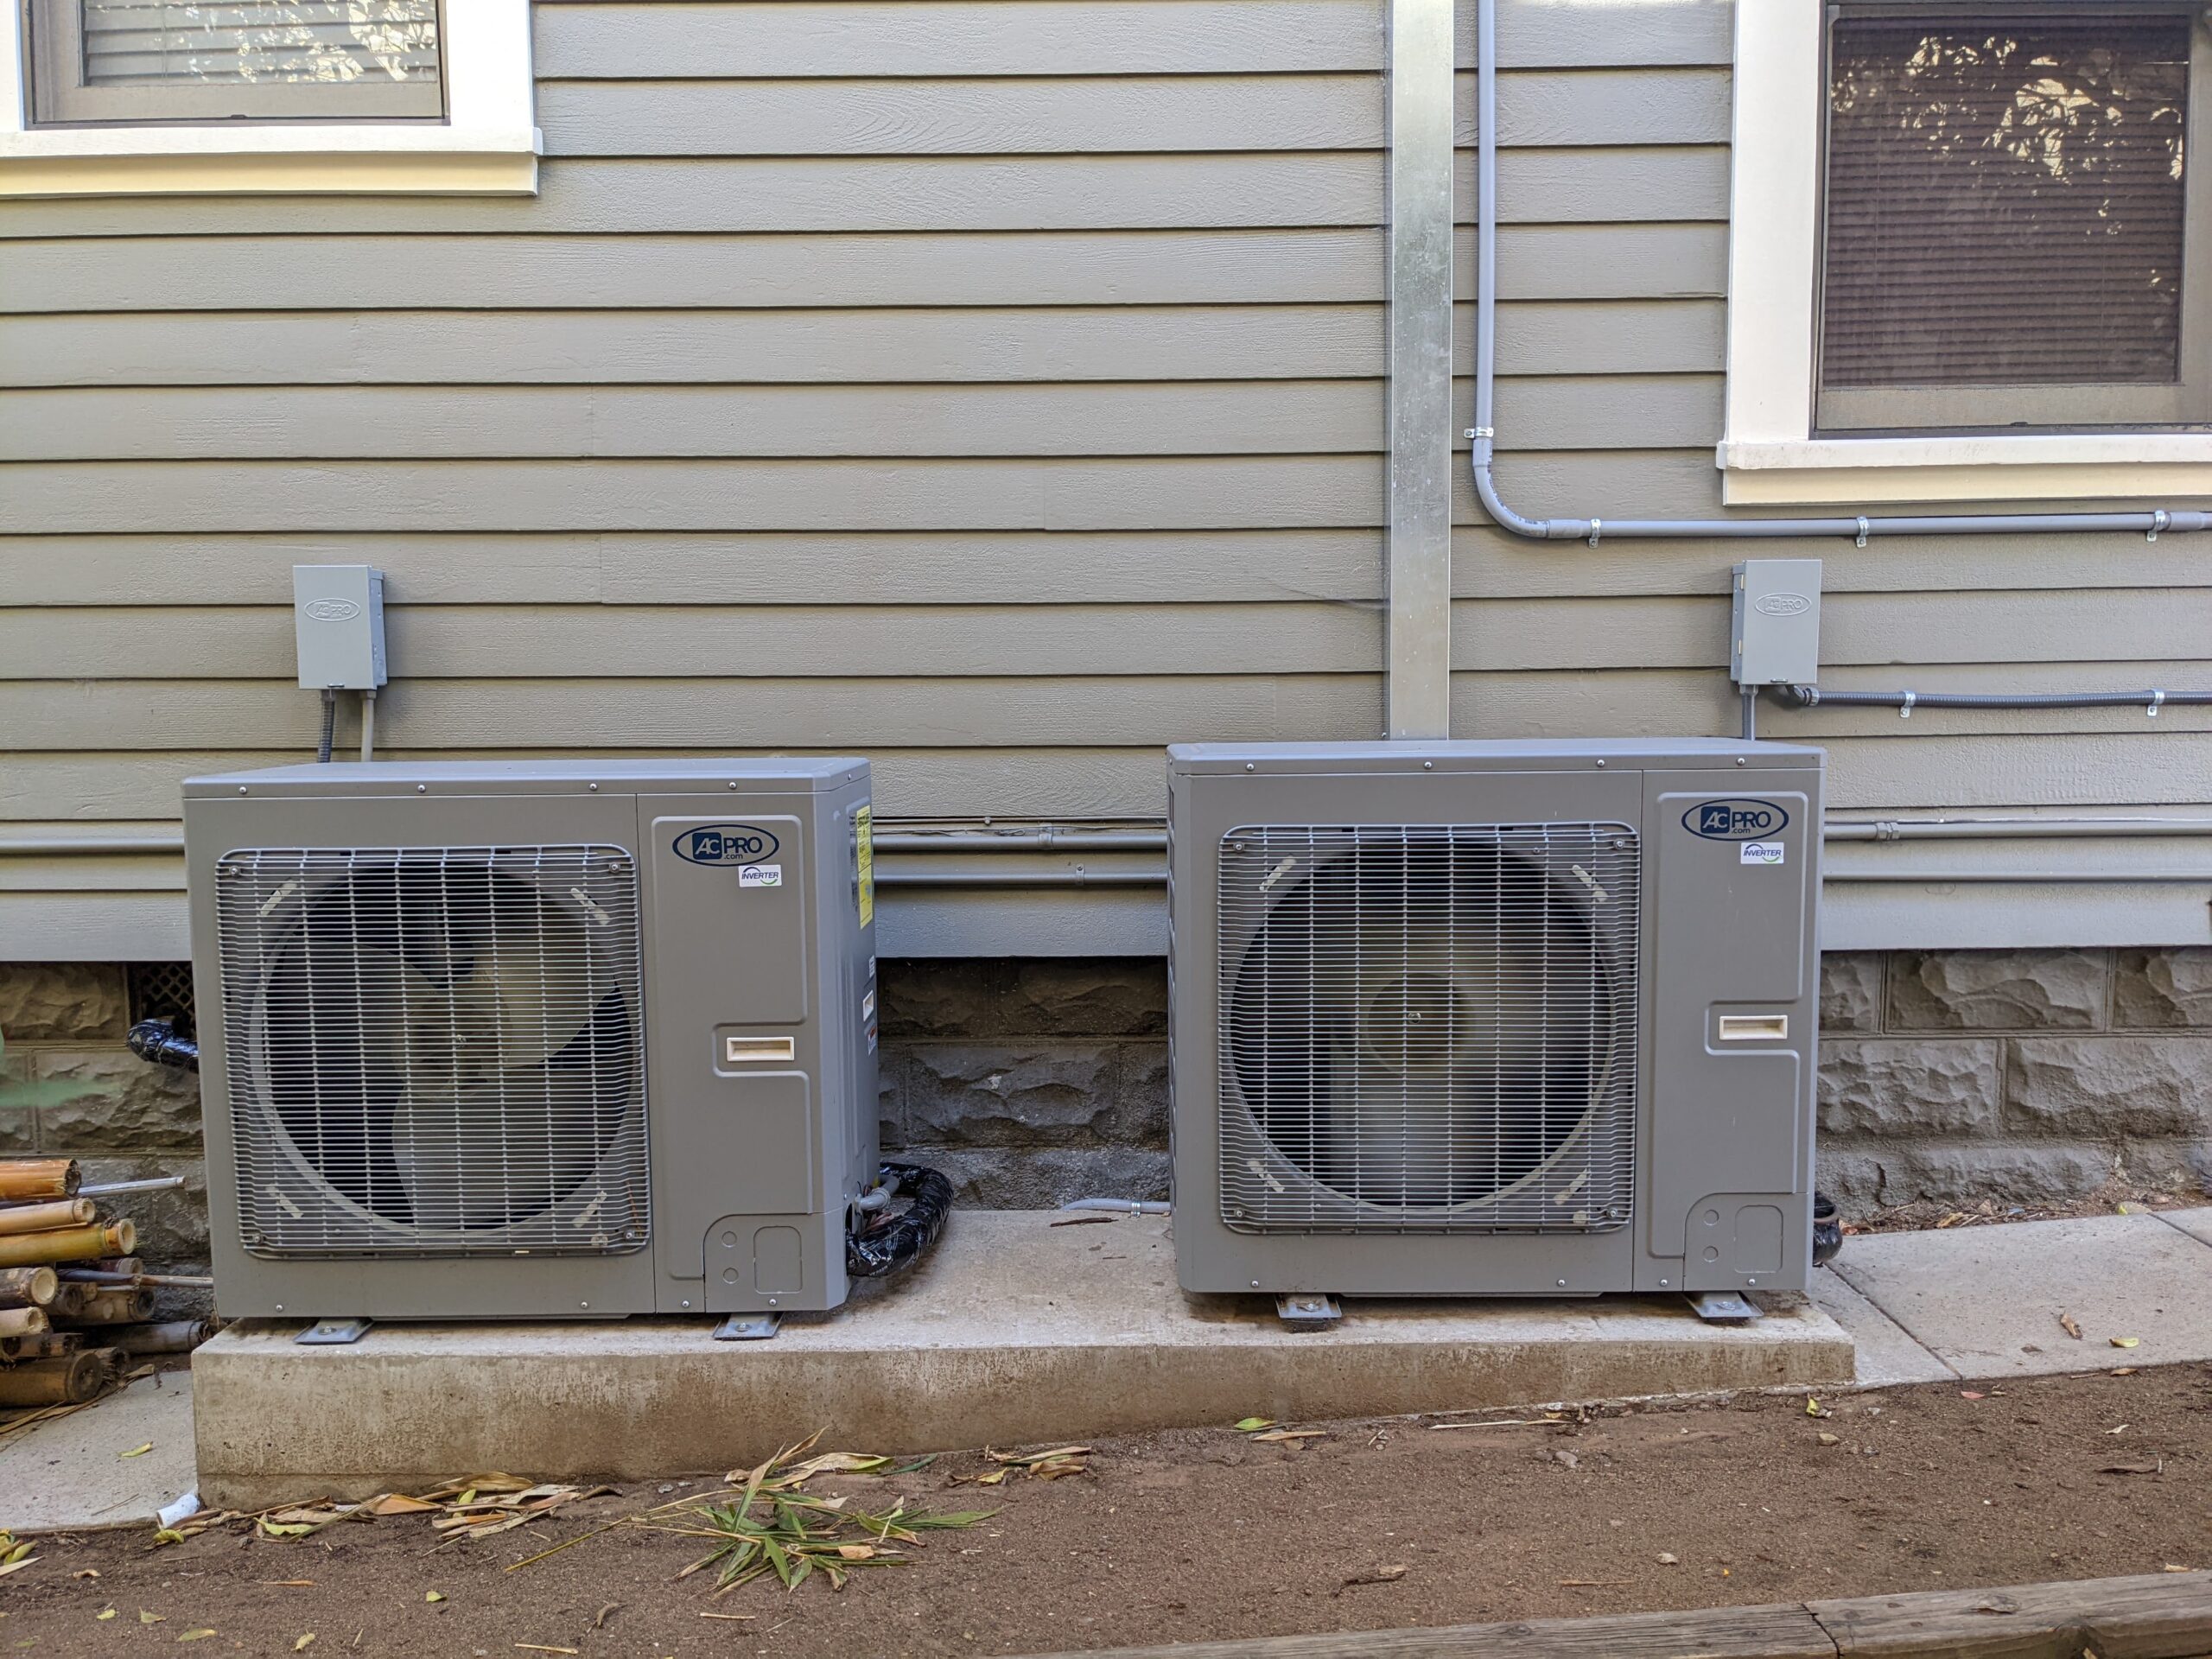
(435, 1051)
(1428, 1029)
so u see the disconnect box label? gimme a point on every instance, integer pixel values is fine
(1761, 852)
(864, 846)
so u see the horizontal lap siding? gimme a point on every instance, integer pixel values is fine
(994, 386)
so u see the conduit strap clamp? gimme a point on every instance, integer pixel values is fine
(2157, 698)
(1596, 528)
(2160, 519)
(1864, 529)
(1888, 830)
(1904, 710)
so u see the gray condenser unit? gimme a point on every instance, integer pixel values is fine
(526, 1040)
(1494, 1018)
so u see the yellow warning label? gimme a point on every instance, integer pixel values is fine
(864, 833)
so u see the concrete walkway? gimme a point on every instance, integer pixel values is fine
(1978, 1302)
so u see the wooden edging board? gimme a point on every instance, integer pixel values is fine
(2159, 1616)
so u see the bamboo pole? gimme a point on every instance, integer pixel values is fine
(24, 1181)
(51, 1345)
(45, 1217)
(28, 1287)
(112, 1305)
(172, 1337)
(24, 1322)
(137, 1281)
(69, 1244)
(69, 1380)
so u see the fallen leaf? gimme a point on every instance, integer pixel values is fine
(304, 1642)
(599, 1620)
(18, 1565)
(269, 1529)
(86, 1572)
(1294, 1434)
(1253, 1425)
(1815, 1408)
(2123, 1209)
(1971, 1393)
(2070, 1325)
(195, 1635)
(1953, 1219)
(11, 1554)
(2119, 1428)
(105, 1614)
(1667, 1559)
(2126, 1342)
(2121, 1370)
(397, 1503)
(2169, 1567)
(137, 1451)
(434, 1595)
(151, 1619)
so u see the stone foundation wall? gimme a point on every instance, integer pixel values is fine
(69, 1088)
(2014, 1075)
(1952, 1076)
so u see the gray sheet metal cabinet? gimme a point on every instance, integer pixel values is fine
(533, 1040)
(1494, 1018)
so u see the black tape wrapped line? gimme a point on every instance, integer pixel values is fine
(894, 1244)
(157, 1040)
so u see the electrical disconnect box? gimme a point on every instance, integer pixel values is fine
(1777, 623)
(338, 615)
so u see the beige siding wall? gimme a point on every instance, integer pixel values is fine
(992, 387)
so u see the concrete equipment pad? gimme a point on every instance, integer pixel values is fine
(1888, 1356)
(2197, 1223)
(69, 1474)
(1986, 1299)
(1016, 1331)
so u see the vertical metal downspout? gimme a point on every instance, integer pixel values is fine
(1419, 656)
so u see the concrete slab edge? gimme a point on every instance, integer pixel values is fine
(2153, 1613)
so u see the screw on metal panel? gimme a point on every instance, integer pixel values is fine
(280, 1307)
(592, 787)
(687, 1304)
(241, 789)
(1562, 1284)
(1750, 1281)
(422, 789)
(1601, 763)
(1429, 765)
(584, 1304)
(1739, 760)
(733, 783)
(1256, 1284)
(771, 1302)
(1663, 1284)
(1248, 766)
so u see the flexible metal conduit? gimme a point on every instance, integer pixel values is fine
(1858, 527)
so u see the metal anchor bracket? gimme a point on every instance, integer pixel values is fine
(333, 1333)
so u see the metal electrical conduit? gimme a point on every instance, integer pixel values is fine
(1858, 527)
(989, 842)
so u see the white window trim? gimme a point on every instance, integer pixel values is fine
(488, 145)
(1769, 455)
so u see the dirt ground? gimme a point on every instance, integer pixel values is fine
(2115, 1196)
(1207, 1534)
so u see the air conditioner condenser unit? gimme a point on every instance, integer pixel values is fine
(535, 1040)
(1494, 1018)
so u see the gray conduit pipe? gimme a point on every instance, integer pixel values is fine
(1811, 696)
(1859, 528)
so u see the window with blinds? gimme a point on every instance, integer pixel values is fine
(2008, 216)
(98, 61)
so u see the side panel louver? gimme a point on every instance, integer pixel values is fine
(435, 1052)
(1428, 1029)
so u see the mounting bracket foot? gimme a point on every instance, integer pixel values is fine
(749, 1327)
(333, 1333)
(1307, 1309)
(1723, 1306)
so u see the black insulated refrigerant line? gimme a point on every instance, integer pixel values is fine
(1859, 527)
(891, 1244)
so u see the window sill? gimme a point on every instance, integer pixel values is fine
(335, 160)
(2101, 466)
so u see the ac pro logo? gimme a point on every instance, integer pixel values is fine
(1735, 820)
(1782, 605)
(333, 610)
(725, 843)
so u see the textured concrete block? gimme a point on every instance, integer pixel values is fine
(999, 1094)
(1044, 1178)
(951, 997)
(890, 1096)
(18, 1122)
(172, 1224)
(1109, 997)
(1851, 991)
(1862, 1177)
(2092, 1087)
(2162, 988)
(61, 1001)
(1997, 990)
(1905, 1087)
(121, 1102)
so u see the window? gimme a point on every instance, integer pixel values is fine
(1969, 252)
(115, 60)
(2006, 196)
(137, 97)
